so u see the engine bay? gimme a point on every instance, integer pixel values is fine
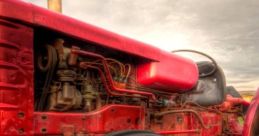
(78, 77)
(72, 76)
(67, 81)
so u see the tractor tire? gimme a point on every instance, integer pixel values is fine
(132, 133)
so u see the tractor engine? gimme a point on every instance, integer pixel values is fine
(72, 78)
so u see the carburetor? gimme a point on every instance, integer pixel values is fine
(64, 95)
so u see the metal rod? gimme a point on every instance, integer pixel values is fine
(185, 110)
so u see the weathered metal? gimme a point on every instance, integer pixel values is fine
(71, 104)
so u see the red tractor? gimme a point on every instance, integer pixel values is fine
(60, 76)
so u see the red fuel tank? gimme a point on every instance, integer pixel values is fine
(172, 73)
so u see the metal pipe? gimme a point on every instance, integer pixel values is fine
(185, 110)
(110, 86)
(107, 87)
(109, 77)
(55, 5)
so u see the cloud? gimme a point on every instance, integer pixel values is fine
(228, 30)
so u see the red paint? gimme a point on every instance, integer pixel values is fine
(235, 126)
(17, 115)
(173, 73)
(16, 76)
(250, 116)
(237, 100)
(231, 101)
(100, 121)
(188, 123)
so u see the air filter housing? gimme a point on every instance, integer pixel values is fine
(172, 73)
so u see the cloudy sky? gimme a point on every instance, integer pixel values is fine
(228, 30)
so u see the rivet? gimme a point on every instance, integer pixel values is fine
(20, 115)
(44, 117)
(43, 130)
(21, 131)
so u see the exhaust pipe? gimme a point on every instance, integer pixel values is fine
(55, 5)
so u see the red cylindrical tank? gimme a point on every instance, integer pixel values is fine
(172, 73)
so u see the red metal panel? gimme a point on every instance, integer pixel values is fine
(35, 15)
(214, 122)
(16, 10)
(185, 124)
(93, 34)
(100, 121)
(173, 73)
(16, 75)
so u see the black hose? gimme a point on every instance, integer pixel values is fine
(203, 54)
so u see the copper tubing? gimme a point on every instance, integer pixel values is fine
(185, 110)
(72, 59)
(104, 81)
(83, 65)
(204, 108)
(108, 74)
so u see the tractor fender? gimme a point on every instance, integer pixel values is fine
(251, 126)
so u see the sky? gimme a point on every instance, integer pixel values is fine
(227, 30)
